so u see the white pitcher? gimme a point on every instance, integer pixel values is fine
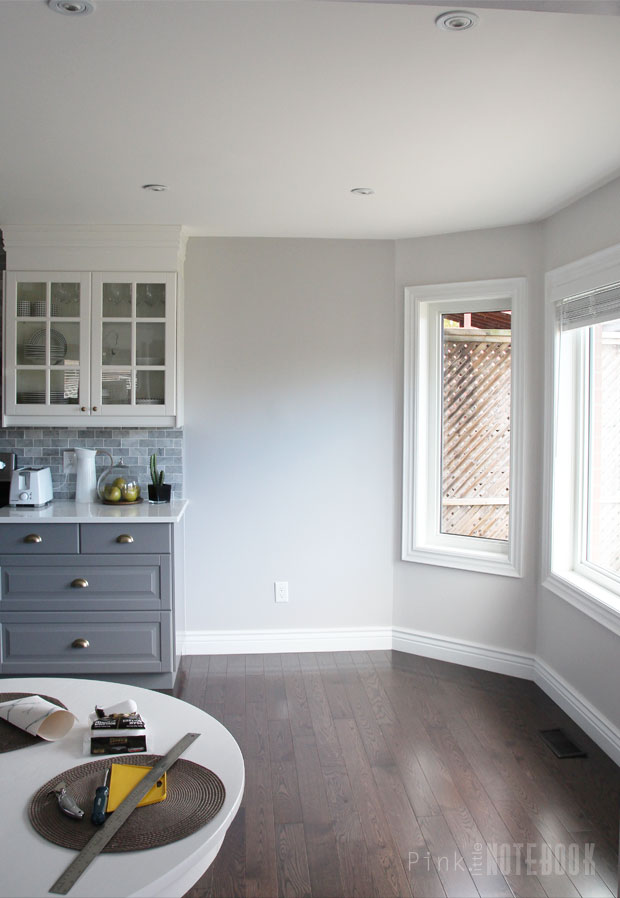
(86, 479)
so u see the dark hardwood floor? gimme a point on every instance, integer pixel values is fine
(377, 774)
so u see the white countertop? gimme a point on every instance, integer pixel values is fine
(63, 512)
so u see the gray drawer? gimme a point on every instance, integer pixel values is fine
(137, 583)
(125, 538)
(40, 643)
(39, 539)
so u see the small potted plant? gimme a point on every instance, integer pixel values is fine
(158, 490)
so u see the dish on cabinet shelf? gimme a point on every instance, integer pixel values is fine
(38, 396)
(34, 350)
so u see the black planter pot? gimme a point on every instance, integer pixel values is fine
(160, 492)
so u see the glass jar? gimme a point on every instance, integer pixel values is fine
(118, 485)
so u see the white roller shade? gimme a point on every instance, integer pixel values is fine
(590, 308)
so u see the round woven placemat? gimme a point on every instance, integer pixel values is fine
(11, 737)
(194, 796)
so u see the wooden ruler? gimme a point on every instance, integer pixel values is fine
(97, 843)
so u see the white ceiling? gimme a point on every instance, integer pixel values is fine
(261, 116)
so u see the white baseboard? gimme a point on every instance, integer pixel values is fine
(502, 661)
(248, 642)
(599, 728)
(456, 651)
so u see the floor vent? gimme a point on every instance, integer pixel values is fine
(561, 745)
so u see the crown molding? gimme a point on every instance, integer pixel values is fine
(95, 247)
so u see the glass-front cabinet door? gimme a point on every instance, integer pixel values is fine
(85, 346)
(47, 369)
(133, 345)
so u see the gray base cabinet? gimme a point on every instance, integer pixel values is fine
(87, 599)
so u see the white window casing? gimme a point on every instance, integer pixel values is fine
(422, 540)
(579, 295)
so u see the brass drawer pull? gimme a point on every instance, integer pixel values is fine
(80, 644)
(33, 538)
(124, 538)
(79, 583)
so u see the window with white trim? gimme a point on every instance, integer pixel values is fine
(583, 473)
(463, 425)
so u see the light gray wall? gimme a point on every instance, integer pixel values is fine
(289, 432)
(503, 613)
(580, 650)
(584, 653)
(461, 605)
(584, 227)
(293, 369)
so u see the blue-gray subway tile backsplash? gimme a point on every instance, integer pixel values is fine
(44, 446)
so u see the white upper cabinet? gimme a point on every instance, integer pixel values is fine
(90, 348)
(133, 361)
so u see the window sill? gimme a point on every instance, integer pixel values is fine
(599, 603)
(482, 562)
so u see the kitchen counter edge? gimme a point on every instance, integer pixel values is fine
(63, 512)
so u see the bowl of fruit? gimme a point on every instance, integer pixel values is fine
(118, 485)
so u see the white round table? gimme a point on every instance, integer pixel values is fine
(29, 864)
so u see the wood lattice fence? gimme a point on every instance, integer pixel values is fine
(476, 440)
(476, 432)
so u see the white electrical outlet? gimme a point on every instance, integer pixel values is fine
(69, 464)
(280, 588)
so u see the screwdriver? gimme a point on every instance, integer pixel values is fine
(101, 800)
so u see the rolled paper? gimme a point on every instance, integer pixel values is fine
(38, 717)
(126, 707)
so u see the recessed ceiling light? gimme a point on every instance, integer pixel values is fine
(457, 20)
(362, 191)
(156, 188)
(71, 7)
